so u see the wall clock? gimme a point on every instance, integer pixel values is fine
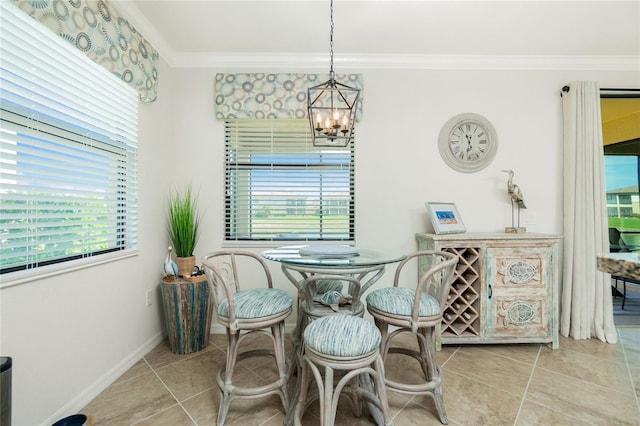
(468, 142)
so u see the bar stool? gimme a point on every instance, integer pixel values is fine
(319, 296)
(244, 313)
(418, 311)
(349, 345)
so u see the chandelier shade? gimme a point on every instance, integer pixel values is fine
(332, 108)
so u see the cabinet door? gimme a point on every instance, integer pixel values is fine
(518, 295)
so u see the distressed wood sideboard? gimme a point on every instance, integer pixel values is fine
(505, 288)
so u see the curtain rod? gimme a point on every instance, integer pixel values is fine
(624, 93)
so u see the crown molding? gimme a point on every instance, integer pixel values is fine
(398, 61)
(303, 61)
(143, 26)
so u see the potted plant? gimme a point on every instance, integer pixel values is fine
(184, 224)
(187, 301)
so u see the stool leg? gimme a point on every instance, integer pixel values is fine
(381, 390)
(278, 346)
(298, 345)
(298, 407)
(384, 333)
(296, 341)
(374, 390)
(225, 375)
(328, 406)
(435, 373)
(439, 400)
(426, 366)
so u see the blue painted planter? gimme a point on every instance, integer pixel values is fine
(187, 312)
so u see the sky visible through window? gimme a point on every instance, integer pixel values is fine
(620, 171)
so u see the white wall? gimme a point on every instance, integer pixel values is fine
(71, 335)
(398, 166)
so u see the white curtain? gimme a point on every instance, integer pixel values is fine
(587, 308)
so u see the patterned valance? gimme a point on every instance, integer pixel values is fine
(96, 28)
(263, 95)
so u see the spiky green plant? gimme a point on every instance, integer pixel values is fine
(184, 222)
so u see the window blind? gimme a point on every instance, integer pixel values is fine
(68, 143)
(280, 187)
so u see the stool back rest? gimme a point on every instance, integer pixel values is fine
(436, 281)
(223, 269)
(312, 289)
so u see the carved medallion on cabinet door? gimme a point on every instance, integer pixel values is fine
(518, 316)
(513, 269)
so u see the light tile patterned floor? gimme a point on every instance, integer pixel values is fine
(583, 382)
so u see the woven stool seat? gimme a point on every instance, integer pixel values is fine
(399, 301)
(342, 336)
(257, 303)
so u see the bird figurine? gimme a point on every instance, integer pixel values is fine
(517, 202)
(170, 267)
(514, 191)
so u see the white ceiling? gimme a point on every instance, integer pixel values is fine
(201, 32)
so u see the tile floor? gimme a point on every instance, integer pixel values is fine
(581, 383)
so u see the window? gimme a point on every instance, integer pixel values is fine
(621, 180)
(280, 187)
(619, 110)
(68, 176)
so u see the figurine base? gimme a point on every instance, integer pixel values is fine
(511, 230)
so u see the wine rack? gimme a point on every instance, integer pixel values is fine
(462, 313)
(505, 288)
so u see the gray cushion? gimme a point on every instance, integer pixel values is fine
(342, 335)
(257, 303)
(399, 301)
(324, 286)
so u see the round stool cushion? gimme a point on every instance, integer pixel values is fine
(399, 301)
(342, 336)
(257, 303)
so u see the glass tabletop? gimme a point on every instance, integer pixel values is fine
(330, 255)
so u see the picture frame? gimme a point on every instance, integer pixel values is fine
(445, 218)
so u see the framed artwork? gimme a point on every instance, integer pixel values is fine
(445, 218)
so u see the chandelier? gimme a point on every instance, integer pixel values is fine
(332, 107)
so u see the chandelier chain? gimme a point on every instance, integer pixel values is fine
(331, 74)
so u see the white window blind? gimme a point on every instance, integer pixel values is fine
(68, 142)
(280, 187)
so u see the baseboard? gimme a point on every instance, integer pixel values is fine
(86, 396)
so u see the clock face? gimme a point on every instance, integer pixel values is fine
(468, 142)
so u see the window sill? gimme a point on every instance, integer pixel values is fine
(23, 277)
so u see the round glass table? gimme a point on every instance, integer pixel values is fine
(300, 261)
(333, 257)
